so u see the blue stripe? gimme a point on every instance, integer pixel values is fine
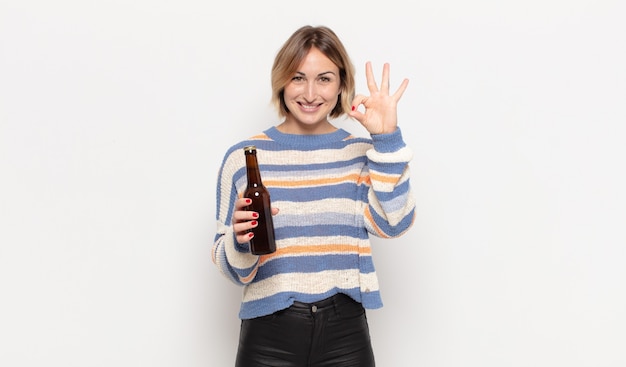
(282, 300)
(307, 264)
(331, 169)
(324, 167)
(240, 179)
(396, 204)
(393, 231)
(345, 190)
(320, 230)
(323, 218)
(395, 168)
(388, 143)
(371, 299)
(400, 190)
(366, 265)
(225, 265)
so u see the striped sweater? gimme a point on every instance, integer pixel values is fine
(333, 191)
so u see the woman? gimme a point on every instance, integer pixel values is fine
(303, 305)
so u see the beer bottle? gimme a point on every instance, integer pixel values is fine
(263, 241)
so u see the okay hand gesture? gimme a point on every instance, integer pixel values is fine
(380, 116)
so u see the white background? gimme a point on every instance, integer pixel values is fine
(115, 115)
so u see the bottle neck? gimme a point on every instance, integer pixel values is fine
(252, 170)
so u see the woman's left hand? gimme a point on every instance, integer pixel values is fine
(380, 116)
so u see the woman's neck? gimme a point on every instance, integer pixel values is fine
(292, 127)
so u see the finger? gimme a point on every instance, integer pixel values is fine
(241, 216)
(241, 203)
(384, 85)
(371, 82)
(358, 100)
(244, 237)
(243, 227)
(357, 115)
(398, 94)
(244, 230)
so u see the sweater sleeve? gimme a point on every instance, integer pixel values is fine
(391, 207)
(233, 260)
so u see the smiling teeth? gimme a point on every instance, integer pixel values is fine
(308, 107)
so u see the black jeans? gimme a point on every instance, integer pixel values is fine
(333, 332)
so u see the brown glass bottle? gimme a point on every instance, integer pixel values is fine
(263, 241)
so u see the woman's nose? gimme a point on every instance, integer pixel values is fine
(311, 91)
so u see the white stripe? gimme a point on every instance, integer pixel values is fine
(322, 156)
(369, 282)
(316, 240)
(311, 283)
(403, 155)
(290, 174)
(237, 259)
(345, 206)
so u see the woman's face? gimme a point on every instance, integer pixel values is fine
(312, 94)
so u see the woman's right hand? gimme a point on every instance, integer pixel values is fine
(244, 220)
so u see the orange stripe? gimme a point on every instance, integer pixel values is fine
(249, 277)
(381, 178)
(369, 217)
(315, 249)
(317, 182)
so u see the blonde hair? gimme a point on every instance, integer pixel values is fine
(293, 52)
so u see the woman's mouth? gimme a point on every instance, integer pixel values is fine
(309, 107)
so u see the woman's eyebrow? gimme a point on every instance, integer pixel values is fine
(320, 74)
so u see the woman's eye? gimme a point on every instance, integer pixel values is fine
(297, 78)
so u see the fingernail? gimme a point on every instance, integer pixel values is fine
(248, 201)
(254, 223)
(250, 235)
(255, 215)
(353, 108)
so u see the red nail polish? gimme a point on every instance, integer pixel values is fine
(248, 201)
(250, 235)
(353, 108)
(254, 223)
(255, 215)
